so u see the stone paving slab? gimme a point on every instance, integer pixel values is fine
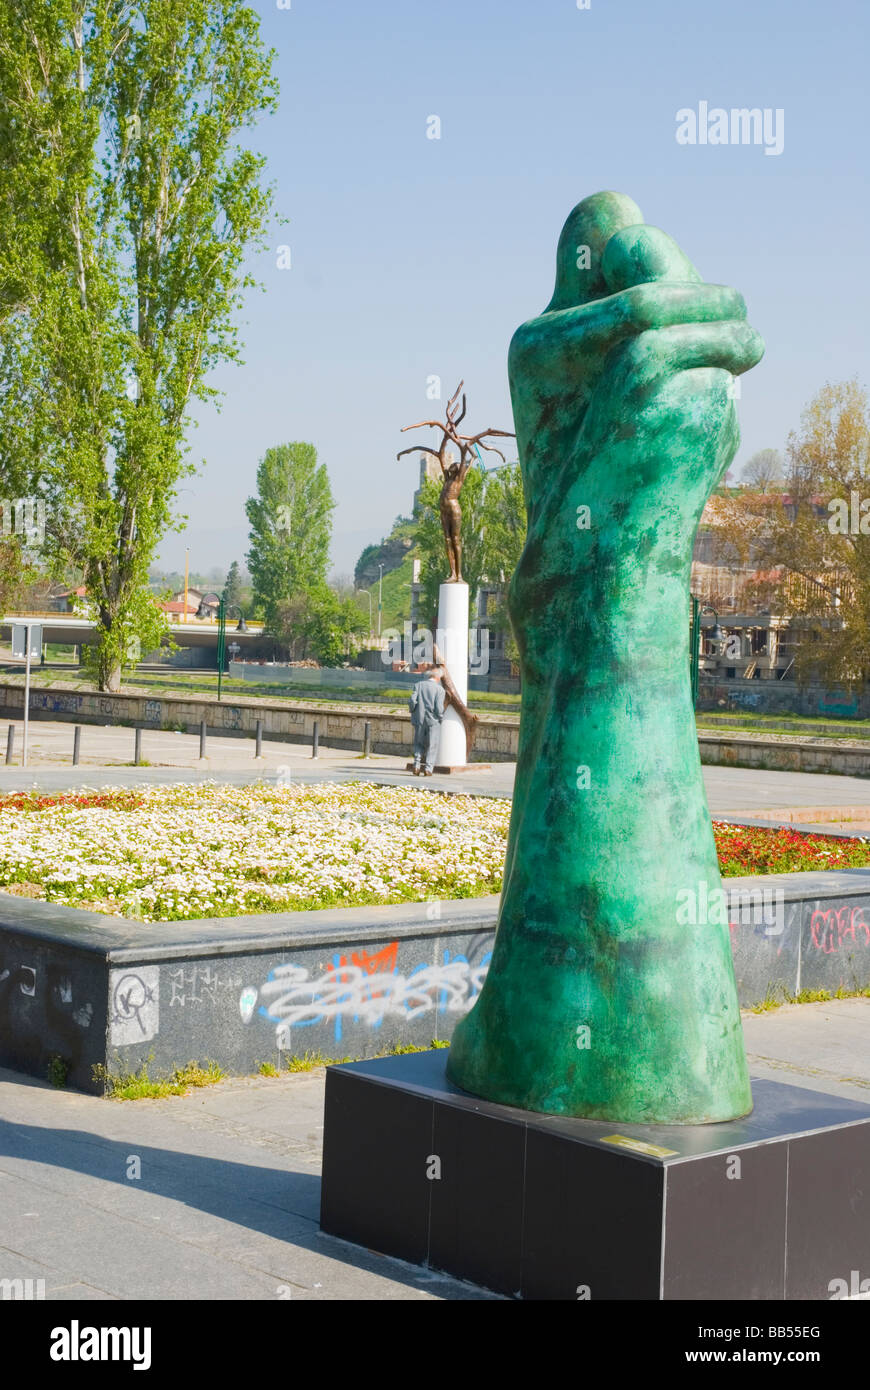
(228, 1199)
(735, 791)
(226, 1207)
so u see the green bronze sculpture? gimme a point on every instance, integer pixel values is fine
(607, 995)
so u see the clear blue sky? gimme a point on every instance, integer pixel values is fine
(413, 257)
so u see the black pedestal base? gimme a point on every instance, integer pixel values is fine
(772, 1206)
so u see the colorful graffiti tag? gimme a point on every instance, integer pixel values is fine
(367, 989)
(830, 929)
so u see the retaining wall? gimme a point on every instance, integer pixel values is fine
(343, 727)
(283, 721)
(783, 697)
(93, 990)
(786, 754)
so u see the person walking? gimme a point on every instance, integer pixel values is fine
(427, 704)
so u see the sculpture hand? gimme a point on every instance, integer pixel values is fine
(625, 419)
(623, 401)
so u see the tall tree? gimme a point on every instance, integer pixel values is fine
(135, 204)
(15, 572)
(504, 517)
(763, 469)
(319, 624)
(811, 545)
(291, 526)
(233, 586)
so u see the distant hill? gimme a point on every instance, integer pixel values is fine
(391, 553)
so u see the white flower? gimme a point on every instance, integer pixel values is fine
(171, 853)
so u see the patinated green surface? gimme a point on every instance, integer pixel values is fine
(602, 999)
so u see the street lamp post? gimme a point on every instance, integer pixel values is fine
(380, 597)
(223, 608)
(25, 637)
(716, 635)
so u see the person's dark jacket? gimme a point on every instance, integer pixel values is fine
(427, 703)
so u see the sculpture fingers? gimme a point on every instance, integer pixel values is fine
(661, 352)
(573, 341)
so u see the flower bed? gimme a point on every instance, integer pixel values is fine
(172, 854)
(749, 850)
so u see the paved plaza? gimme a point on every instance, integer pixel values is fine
(228, 1199)
(107, 759)
(227, 1202)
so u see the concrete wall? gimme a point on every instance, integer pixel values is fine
(283, 720)
(344, 982)
(783, 697)
(348, 677)
(497, 734)
(333, 676)
(786, 754)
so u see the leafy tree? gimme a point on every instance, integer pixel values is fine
(135, 203)
(504, 519)
(333, 627)
(763, 470)
(318, 624)
(233, 587)
(505, 535)
(15, 573)
(291, 527)
(811, 546)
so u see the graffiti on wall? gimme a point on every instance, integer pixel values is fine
(367, 988)
(42, 1002)
(201, 984)
(135, 1004)
(59, 704)
(838, 926)
(746, 699)
(838, 704)
(196, 984)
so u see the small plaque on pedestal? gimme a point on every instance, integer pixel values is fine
(772, 1206)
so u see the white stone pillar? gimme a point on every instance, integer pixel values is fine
(452, 641)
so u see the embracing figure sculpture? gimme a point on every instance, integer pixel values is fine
(602, 999)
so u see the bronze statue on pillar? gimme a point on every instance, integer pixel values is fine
(454, 472)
